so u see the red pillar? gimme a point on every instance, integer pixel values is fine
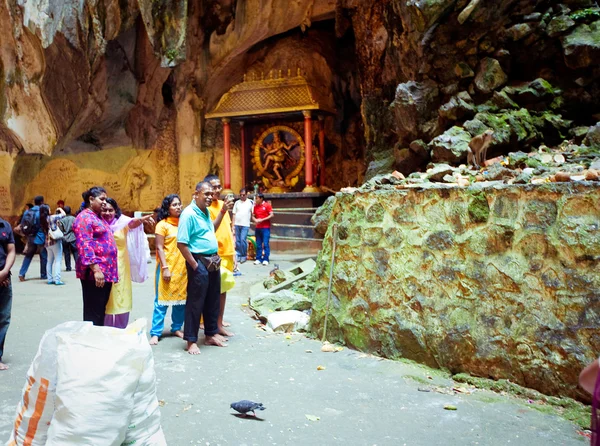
(243, 141)
(322, 149)
(308, 149)
(226, 155)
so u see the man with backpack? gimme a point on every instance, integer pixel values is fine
(31, 227)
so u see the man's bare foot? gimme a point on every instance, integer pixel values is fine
(221, 338)
(3, 366)
(224, 332)
(178, 333)
(226, 324)
(192, 348)
(214, 340)
(153, 340)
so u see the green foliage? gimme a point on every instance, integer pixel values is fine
(585, 14)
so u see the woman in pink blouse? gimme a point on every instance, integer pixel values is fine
(97, 262)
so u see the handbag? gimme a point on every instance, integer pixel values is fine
(55, 234)
(211, 263)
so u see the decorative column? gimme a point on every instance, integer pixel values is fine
(226, 156)
(243, 143)
(308, 174)
(322, 150)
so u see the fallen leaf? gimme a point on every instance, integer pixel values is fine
(339, 349)
(161, 403)
(321, 367)
(312, 417)
(244, 305)
(288, 337)
(449, 407)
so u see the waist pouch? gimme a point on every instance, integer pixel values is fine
(212, 263)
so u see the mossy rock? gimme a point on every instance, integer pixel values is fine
(559, 25)
(479, 208)
(582, 46)
(451, 146)
(489, 76)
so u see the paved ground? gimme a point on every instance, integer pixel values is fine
(358, 399)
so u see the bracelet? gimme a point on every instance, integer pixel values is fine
(165, 267)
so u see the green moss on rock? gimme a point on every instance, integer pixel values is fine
(479, 208)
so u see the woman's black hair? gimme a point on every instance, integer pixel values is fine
(164, 207)
(116, 207)
(92, 192)
(44, 214)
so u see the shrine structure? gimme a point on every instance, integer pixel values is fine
(286, 156)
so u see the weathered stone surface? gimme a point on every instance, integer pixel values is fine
(322, 216)
(592, 138)
(458, 107)
(480, 288)
(264, 304)
(414, 104)
(582, 45)
(490, 75)
(451, 146)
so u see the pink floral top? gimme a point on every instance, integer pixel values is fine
(96, 245)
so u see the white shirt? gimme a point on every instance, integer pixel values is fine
(242, 211)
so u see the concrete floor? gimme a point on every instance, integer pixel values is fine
(358, 399)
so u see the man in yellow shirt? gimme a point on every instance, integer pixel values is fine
(219, 214)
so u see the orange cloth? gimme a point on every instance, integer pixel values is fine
(223, 234)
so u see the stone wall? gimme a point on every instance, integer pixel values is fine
(497, 281)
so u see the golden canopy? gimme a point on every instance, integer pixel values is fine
(270, 96)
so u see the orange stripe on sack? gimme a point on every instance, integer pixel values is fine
(39, 409)
(19, 420)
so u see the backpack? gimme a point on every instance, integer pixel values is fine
(30, 223)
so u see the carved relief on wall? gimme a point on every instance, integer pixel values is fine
(278, 157)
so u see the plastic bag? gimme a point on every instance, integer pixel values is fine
(98, 373)
(92, 386)
(144, 424)
(36, 408)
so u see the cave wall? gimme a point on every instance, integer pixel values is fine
(115, 93)
(496, 281)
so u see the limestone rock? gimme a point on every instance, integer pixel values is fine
(451, 146)
(277, 277)
(519, 31)
(592, 138)
(582, 45)
(458, 107)
(559, 25)
(490, 75)
(463, 70)
(322, 216)
(491, 276)
(264, 304)
(287, 321)
(439, 172)
(414, 104)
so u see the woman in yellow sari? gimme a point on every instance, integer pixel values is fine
(171, 274)
(132, 261)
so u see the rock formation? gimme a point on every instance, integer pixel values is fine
(494, 280)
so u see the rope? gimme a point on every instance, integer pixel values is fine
(330, 281)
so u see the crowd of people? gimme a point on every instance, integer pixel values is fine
(198, 250)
